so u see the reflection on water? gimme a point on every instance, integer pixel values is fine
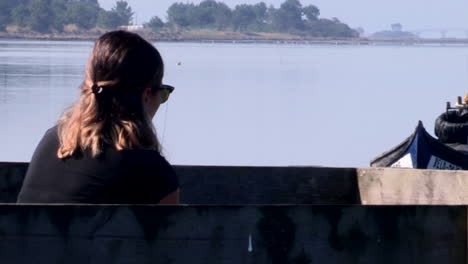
(35, 69)
(38, 79)
(249, 104)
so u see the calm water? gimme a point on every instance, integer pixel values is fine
(250, 104)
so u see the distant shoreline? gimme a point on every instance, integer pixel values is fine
(206, 36)
(192, 35)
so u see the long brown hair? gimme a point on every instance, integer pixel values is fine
(121, 65)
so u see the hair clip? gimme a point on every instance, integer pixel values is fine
(96, 89)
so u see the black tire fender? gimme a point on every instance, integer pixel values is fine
(452, 127)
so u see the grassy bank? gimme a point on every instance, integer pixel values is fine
(179, 35)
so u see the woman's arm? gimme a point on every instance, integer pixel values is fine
(172, 198)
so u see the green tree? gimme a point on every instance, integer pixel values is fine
(203, 15)
(243, 16)
(155, 24)
(250, 17)
(260, 10)
(59, 11)
(270, 17)
(207, 14)
(6, 7)
(82, 14)
(41, 17)
(124, 12)
(120, 15)
(108, 19)
(311, 12)
(330, 28)
(179, 15)
(223, 16)
(20, 15)
(289, 16)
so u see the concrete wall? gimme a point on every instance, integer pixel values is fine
(322, 232)
(11, 179)
(407, 186)
(220, 234)
(268, 185)
(297, 185)
(238, 185)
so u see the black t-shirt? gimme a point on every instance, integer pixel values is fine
(115, 177)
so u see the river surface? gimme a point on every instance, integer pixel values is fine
(248, 104)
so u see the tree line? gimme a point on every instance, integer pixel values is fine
(52, 15)
(290, 17)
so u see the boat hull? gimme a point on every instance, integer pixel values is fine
(422, 151)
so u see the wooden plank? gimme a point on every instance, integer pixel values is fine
(385, 186)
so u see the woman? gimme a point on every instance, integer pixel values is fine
(104, 148)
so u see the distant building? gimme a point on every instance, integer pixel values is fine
(397, 27)
(396, 33)
(132, 27)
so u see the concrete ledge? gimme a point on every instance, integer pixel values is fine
(381, 186)
(268, 185)
(220, 234)
(213, 185)
(237, 185)
(11, 179)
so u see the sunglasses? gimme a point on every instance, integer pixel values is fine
(165, 91)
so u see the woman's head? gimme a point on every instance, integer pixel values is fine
(119, 96)
(124, 61)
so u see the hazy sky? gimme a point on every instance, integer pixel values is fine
(372, 15)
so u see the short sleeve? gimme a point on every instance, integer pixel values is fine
(169, 180)
(154, 178)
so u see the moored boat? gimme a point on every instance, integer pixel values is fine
(422, 151)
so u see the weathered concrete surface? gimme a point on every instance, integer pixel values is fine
(267, 185)
(279, 234)
(297, 185)
(220, 234)
(237, 185)
(379, 186)
(11, 179)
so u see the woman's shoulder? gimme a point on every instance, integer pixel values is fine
(51, 133)
(49, 141)
(50, 137)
